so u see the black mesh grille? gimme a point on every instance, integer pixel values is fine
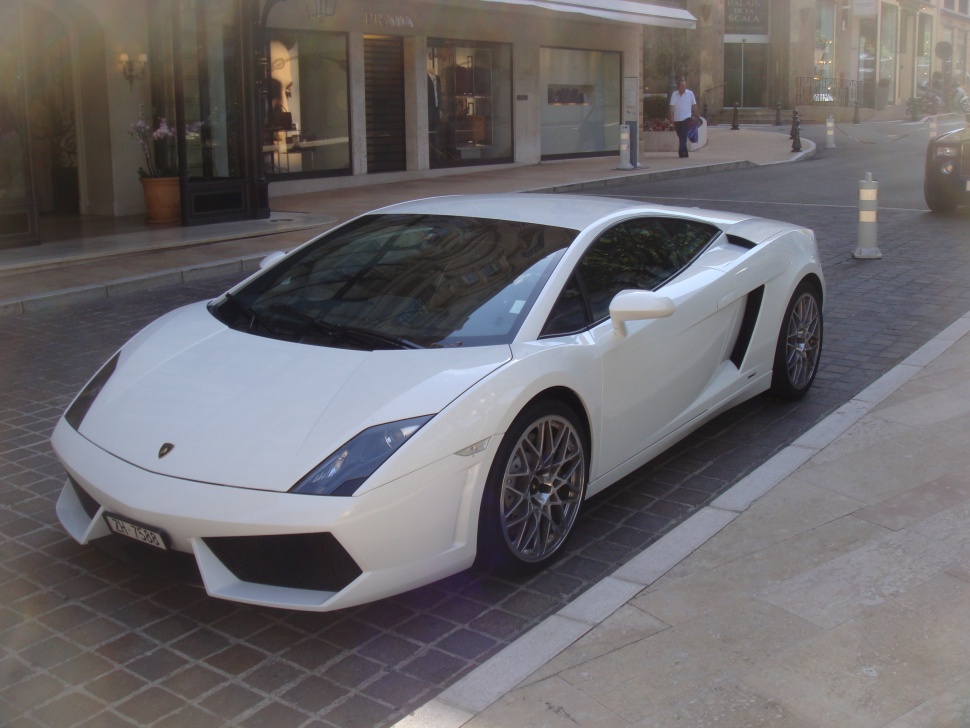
(314, 561)
(965, 159)
(89, 504)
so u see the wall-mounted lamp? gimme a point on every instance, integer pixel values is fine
(133, 70)
(322, 10)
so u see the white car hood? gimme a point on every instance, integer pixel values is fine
(252, 412)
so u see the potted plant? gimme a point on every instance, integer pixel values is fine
(159, 184)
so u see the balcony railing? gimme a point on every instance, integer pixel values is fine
(836, 92)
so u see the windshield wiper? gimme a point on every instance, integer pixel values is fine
(254, 318)
(350, 333)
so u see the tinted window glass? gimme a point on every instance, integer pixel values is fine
(639, 254)
(569, 315)
(426, 280)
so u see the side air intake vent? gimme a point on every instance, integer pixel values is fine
(752, 307)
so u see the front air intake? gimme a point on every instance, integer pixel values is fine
(313, 561)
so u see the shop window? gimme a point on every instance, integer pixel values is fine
(924, 48)
(824, 42)
(581, 102)
(889, 32)
(469, 102)
(307, 127)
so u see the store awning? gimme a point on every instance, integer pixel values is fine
(621, 11)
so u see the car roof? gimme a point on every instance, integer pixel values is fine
(576, 212)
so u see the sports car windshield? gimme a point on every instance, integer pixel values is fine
(402, 281)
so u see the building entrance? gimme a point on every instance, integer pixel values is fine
(38, 133)
(746, 74)
(384, 99)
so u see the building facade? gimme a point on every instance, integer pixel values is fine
(243, 100)
(821, 56)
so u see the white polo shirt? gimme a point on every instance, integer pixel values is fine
(683, 104)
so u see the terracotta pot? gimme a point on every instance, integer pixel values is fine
(162, 200)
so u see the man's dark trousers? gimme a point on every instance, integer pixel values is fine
(682, 128)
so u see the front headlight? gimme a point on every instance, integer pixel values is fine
(345, 471)
(947, 151)
(82, 403)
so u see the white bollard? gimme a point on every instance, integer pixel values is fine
(830, 132)
(625, 162)
(868, 204)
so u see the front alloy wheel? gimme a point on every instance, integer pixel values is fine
(535, 488)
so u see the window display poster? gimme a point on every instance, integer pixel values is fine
(746, 17)
(284, 91)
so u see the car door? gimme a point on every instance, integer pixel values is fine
(651, 376)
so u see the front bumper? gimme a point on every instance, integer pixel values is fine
(281, 549)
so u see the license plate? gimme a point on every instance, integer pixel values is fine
(124, 527)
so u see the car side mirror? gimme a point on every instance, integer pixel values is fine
(638, 306)
(270, 259)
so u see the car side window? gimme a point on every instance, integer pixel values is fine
(640, 254)
(569, 314)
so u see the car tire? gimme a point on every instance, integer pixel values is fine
(937, 201)
(799, 344)
(535, 489)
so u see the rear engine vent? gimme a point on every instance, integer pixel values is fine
(314, 561)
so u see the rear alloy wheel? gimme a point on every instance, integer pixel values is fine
(799, 344)
(534, 489)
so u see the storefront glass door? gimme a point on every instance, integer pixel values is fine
(18, 214)
(746, 74)
(210, 105)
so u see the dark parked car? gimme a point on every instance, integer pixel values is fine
(947, 180)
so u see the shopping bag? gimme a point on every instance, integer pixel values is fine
(692, 130)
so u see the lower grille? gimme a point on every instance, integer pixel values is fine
(965, 159)
(314, 561)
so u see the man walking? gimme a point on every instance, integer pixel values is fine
(683, 110)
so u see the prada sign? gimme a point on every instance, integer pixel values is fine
(388, 20)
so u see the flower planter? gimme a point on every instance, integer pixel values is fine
(162, 200)
(659, 141)
(666, 141)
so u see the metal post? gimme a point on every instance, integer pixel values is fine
(855, 114)
(734, 119)
(634, 144)
(778, 114)
(830, 132)
(625, 147)
(868, 204)
(796, 145)
(934, 132)
(794, 120)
